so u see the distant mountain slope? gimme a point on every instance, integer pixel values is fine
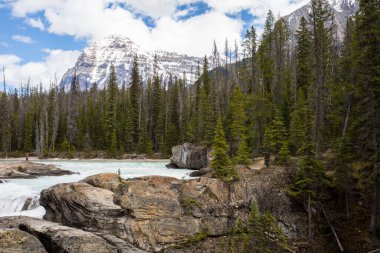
(342, 10)
(94, 62)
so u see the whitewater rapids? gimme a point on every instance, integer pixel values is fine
(21, 196)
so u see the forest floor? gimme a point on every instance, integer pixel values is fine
(259, 164)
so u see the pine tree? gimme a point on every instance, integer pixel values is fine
(5, 123)
(28, 132)
(276, 133)
(249, 51)
(243, 156)
(284, 152)
(298, 124)
(367, 65)
(129, 127)
(281, 37)
(112, 94)
(221, 162)
(322, 20)
(135, 91)
(174, 117)
(206, 81)
(266, 62)
(72, 117)
(236, 119)
(343, 177)
(205, 124)
(256, 229)
(309, 179)
(303, 57)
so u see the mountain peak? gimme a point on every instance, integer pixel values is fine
(113, 40)
(94, 63)
(341, 8)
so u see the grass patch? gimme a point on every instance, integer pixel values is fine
(200, 236)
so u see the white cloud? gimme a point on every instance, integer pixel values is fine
(93, 19)
(195, 36)
(9, 59)
(22, 39)
(55, 63)
(36, 23)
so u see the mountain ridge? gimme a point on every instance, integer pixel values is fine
(94, 63)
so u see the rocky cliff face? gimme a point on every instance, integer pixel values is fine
(342, 9)
(158, 214)
(94, 63)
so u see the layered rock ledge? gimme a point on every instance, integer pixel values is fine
(33, 233)
(30, 170)
(163, 214)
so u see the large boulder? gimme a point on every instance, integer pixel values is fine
(157, 214)
(82, 205)
(189, 156)
(54, 237)
(17, 241)
(30, 170)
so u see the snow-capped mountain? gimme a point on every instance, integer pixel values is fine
(93, 65)
(342, 10)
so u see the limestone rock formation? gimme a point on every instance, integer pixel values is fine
(17, 241)
(189, 156)
(30, 170)
(54, 237)
(158, 214)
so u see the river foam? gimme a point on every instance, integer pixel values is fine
(20, 196)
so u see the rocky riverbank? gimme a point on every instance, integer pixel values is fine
(24, 169)
(158, 214)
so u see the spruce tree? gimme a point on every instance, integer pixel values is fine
(236, 119)
(265, 52)
(129, 127)
(367, 65)
(112, 94)
(243, 156)
(344, 172)
(309, 179)
(205, 124)
(298, 124)
(276, 133)
(321, 19)
(28, 132)
(284, 152)
(303, 57)
(221, 162)
(135, 91)
(206, 81)
(73, 113)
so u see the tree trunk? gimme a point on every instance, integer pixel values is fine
(347, 115)
(309, 214)
(347, 206)
(332, 229)
(374, 208)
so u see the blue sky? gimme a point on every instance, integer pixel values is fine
(39, 38)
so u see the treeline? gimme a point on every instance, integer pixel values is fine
(271, 94)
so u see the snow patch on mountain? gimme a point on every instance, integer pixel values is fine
(93, 65)
(342, 9)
